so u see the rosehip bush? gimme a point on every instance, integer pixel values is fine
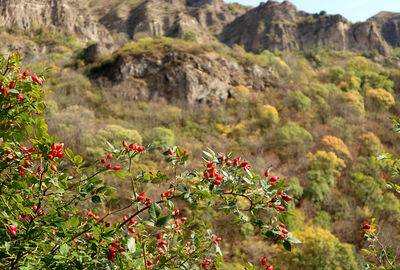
(46, 193)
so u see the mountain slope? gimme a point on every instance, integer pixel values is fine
(281, 26)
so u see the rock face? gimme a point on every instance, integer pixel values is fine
(171, 18)
(65, 16)
(388, 24)
(275, 25)
(194, 78)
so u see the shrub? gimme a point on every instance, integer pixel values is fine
(269, 116)
(190, 36)
(291, 134)
(370, 144)
(323, 220)
(364, 188)
(297, 100)
(320, 248)
(336, 145)
(161, 135)
(56, 213)
(380, 99)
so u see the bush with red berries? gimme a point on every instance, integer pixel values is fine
(46, 191)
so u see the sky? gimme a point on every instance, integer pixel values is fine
(353, 10)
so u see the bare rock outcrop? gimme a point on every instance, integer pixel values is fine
(194, 78)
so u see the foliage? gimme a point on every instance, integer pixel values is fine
(57, 214)
(380, 99)
(190, 36)
(269, 116)
(320, 250)
(336, 145)
(370, 144)
(298, 100)
(160, 136)
(291, 134)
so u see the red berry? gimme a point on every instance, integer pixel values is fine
(53, 168)
(140, 148)
(176, 213)
(264, 261)
(282, 225)
(266, 173)
(217, 182)
(12, 228)
(109, 156)
(125, 144)
(125, 218)
(243, 164)
(12, 85)
(229, 163)
(159, 236)
(206, 175)
(23, 148)
(132, 230)
(286, 198)
(366, 227)
(27, 163)
(117, 168)
(219, 239)
(149, 263)
(184, 218)
(269, 267)
(141, 197)
(285, 231)
(223, 158)
(26, 72)
(50, 157)
(19, 96)
(60, 154)
(280, 208)
(36, 79)
(133, 146)
(210, 164)
(160, 251)
(170, 151)
(108, 166)
(13, 233)
(274, 179)
(115, 244)
(33, 149)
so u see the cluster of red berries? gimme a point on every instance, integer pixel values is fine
(132, 221)
(205, 263)
(171, 153)
(20, 78)
(167, 194)
(365, 228)
(108, 166)
(90, 214)
(141, 197)
(13, 230)
(215, 239)
(212, 173)
(283, 230)
(133, 147)
(264, 263)
(112, 252)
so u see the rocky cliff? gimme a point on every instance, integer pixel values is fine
(173, 75)
(65, 16)
(275, 25)
(271, 25)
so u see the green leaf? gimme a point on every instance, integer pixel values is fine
(287, 245)
(179, 152)
(293, 240)
(162, 221)
(154, 210)
(64, 249)
(73, 222)
(131, 245)
(182, 188)
(96, 199)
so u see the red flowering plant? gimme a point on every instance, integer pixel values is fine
(45, 191)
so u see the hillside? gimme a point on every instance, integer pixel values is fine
(308, 94)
